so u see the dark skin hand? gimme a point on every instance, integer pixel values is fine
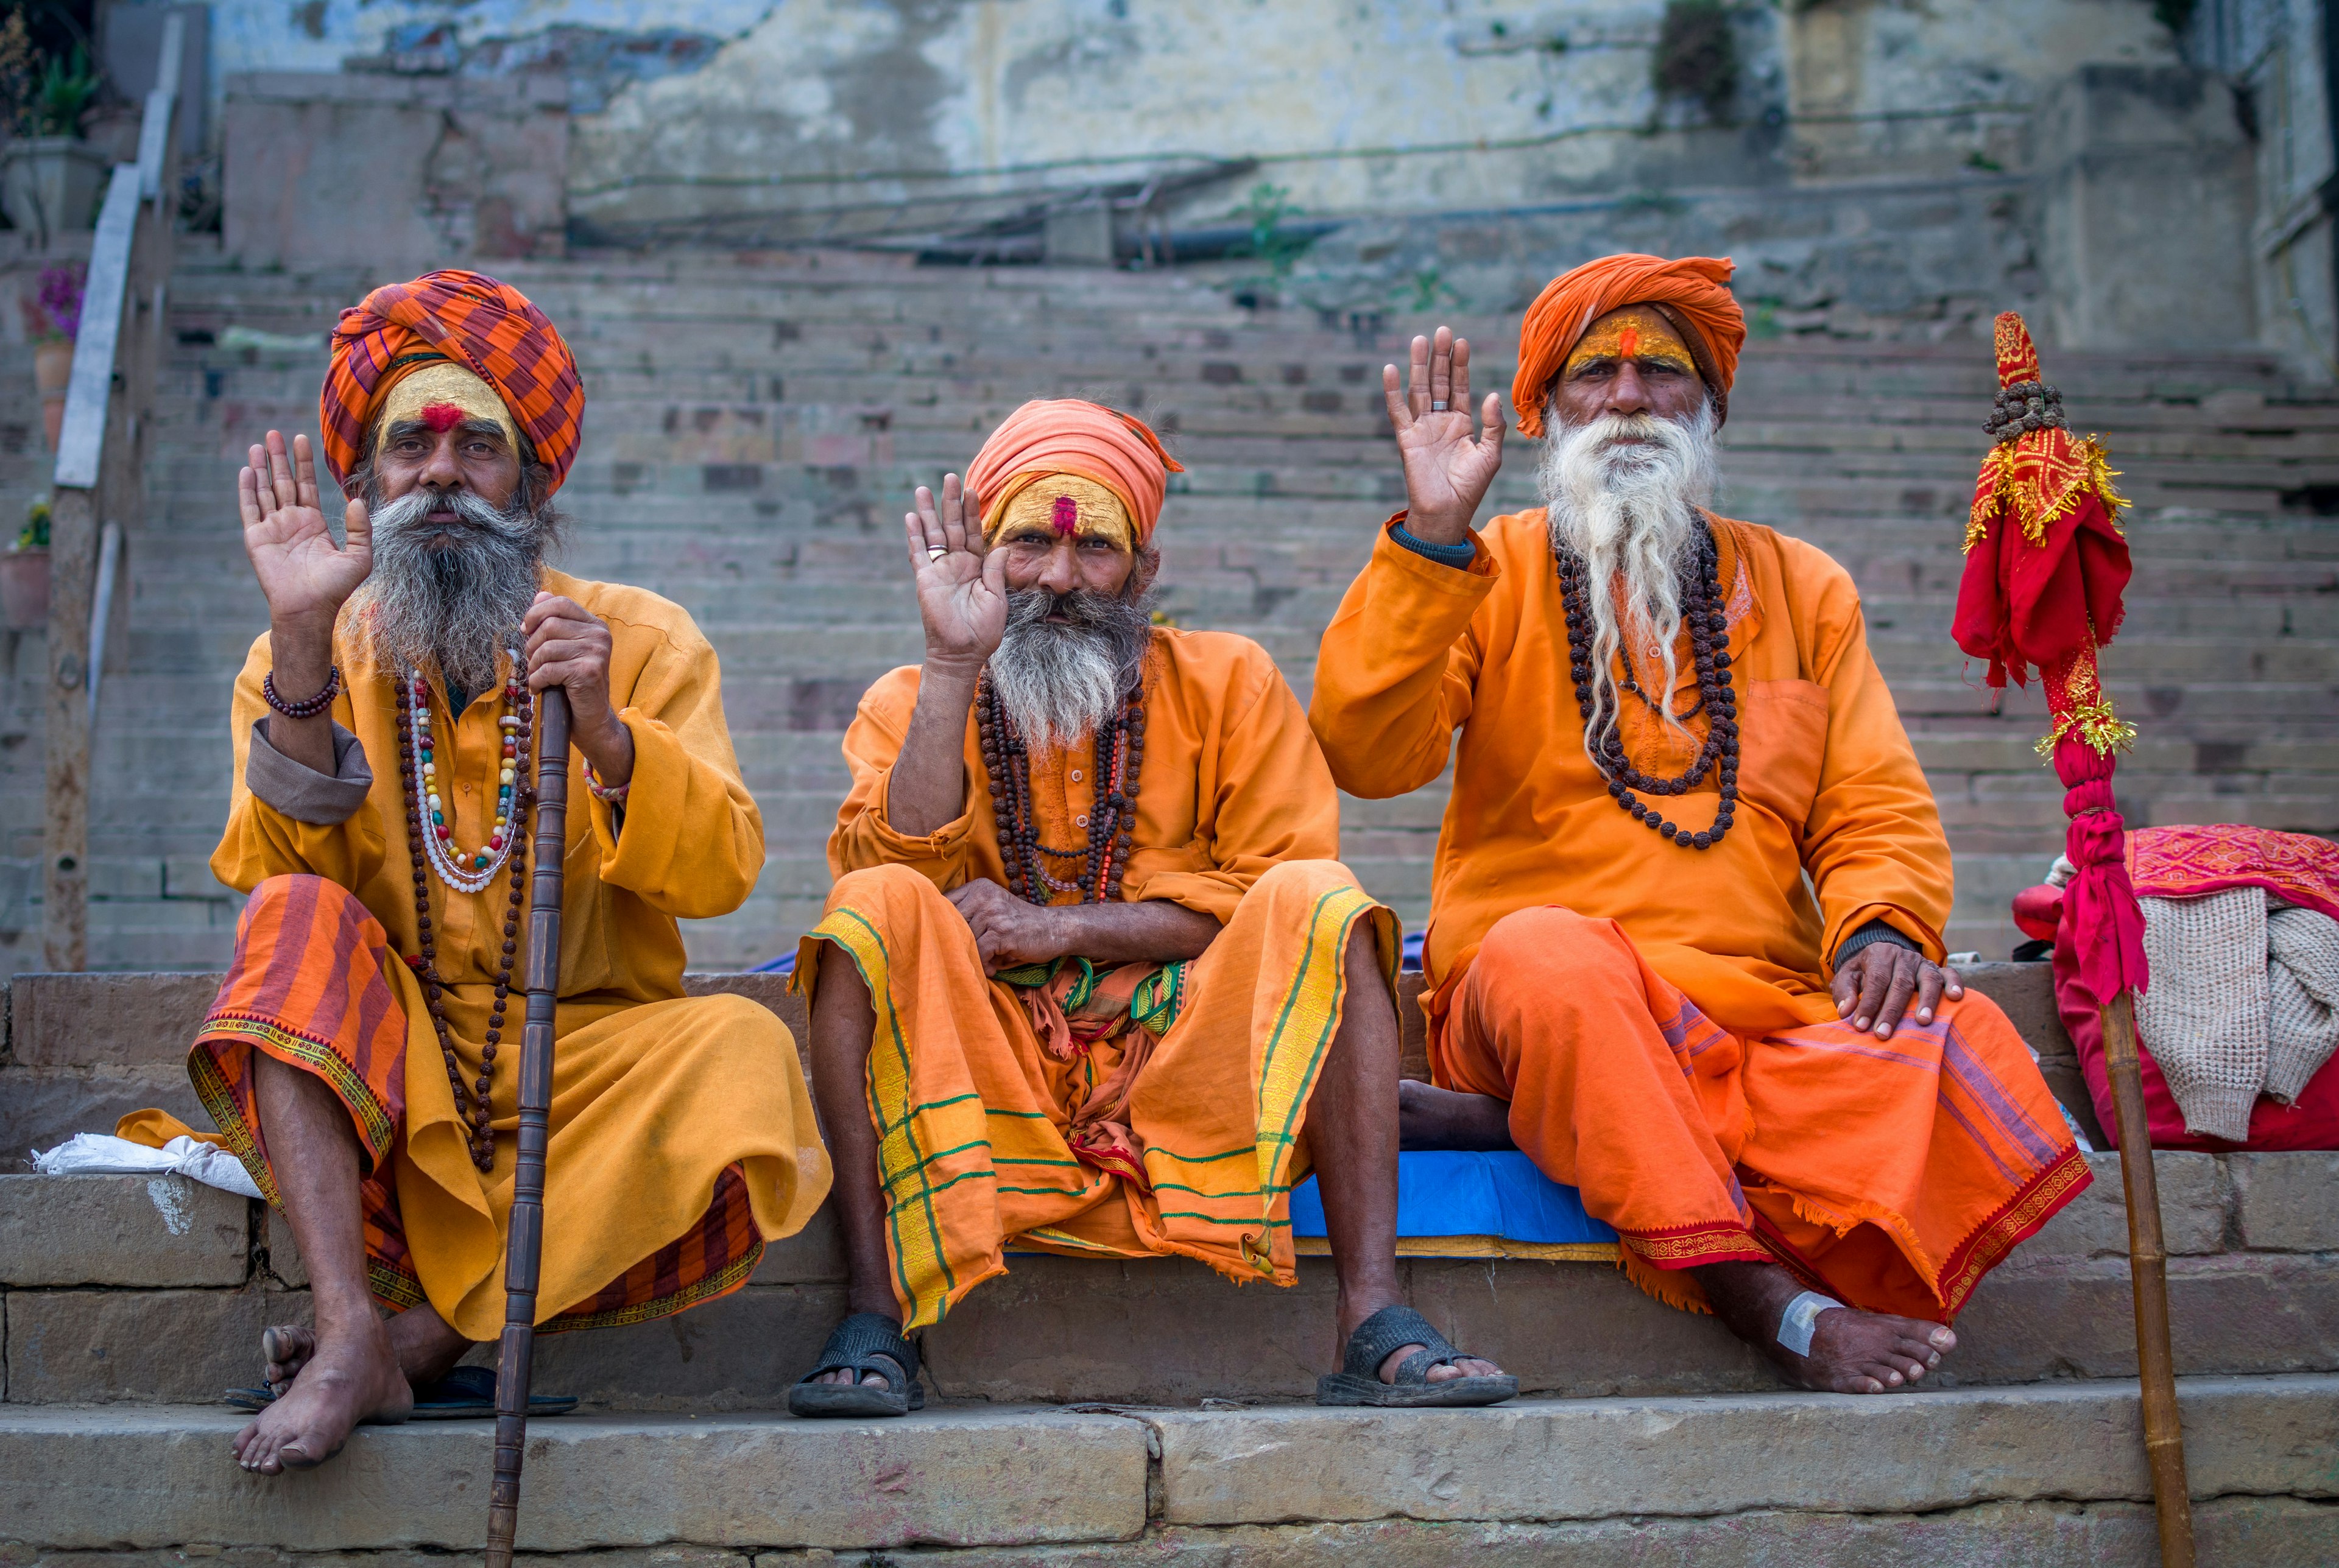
(1876, 985)
(1010, 931)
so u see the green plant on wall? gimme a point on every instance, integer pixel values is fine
(1265, 208)
(1697, 56)
(63, 95)
(34, 535)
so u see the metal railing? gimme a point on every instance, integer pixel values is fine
(100, 485)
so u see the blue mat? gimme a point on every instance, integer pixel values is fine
(1468, 1204)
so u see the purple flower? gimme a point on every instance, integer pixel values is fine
(60, 294)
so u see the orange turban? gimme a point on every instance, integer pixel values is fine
(1693, 294)
(472, 320)
(1067, 436)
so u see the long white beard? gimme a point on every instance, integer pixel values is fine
(1631, 513)
(1059, 680)
(453, 605)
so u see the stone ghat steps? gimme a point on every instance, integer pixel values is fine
(2050, 1478)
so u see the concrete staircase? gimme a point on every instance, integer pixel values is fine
(756, 422)
(1094, 1413)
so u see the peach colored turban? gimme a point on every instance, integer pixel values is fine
(1693, 294)
(1067, 436)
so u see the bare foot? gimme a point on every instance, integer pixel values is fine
(426, 1347)
(1852, 1351)
(342, 1383)
(1432, 1118)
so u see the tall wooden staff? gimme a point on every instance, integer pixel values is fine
(2046, 568)
(526, 1247)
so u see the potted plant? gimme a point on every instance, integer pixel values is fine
(25, 574)
(50, 179)
(53, 321)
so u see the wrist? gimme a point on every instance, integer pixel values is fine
(1436, 527)
(609, 747)
(946, 672)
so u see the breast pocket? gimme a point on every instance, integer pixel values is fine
(1781, 744)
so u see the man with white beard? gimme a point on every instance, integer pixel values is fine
(1684, 946)
(380, 822)
(1090, 980)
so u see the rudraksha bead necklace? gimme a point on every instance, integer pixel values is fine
(1709, 629)
(415, 754)
(1112, 816)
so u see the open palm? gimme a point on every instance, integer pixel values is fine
(1448, 467)
(962, 586)
(305, 575)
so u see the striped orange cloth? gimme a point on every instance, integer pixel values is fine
(1892, 1174)
(314, 983)
(472, 320)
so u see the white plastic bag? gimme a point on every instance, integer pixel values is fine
(102, 1154)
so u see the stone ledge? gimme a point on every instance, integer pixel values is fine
(2287, 1202)
(119, 1478)
(120, 1230)
(1607, 1458)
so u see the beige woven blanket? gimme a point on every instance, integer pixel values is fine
(2243, 1001)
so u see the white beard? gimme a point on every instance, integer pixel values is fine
(455, 605)
(1057, 681)
(1631, 512)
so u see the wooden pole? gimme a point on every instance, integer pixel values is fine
(526, 1246)
(2148, 1266)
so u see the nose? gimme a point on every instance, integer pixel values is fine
(1061, 575)
(1627, 393)
(441, 471)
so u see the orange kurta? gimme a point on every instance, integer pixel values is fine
(655, 1096)
(1835, 828)
(1237, 818)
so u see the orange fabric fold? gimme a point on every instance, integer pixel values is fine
(1694, 290)
(1890, 1174)
(1068, 436)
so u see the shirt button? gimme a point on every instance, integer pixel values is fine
(467, 789)
(1076, 775)
(1080, 821)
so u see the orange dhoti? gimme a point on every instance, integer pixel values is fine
(976, 1119)
(1892, 1174)
(681, 1138)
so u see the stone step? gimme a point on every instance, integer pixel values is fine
(2049, 1476)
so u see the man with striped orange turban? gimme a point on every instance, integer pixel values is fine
(1686, 942)
(1090, 980)
(380, 819)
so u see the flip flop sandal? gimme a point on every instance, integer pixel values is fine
(1359, 1383)
(865, 1342)
(465, 1393)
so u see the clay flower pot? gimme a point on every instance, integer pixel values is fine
(52, 372)
(24, 589)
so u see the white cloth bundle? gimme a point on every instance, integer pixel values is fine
(2242, 1002)
(102, 1154)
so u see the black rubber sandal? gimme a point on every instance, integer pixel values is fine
(1359, 1380)
(865, 1342)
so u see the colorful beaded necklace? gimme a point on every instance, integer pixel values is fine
(1112, 817)
(466, 871)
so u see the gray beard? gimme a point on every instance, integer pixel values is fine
(1058, 681)
(1632, 514)
(453, 605)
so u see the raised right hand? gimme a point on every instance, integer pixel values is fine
(305, 574)
(963, 591)
(1447, 471)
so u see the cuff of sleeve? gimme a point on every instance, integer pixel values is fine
(939, 844)
(1202, 892)
(1456, 556)
(299, 792)
(1867, 936)
(661, 772)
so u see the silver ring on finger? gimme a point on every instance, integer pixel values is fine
(935, 553)
(1437, 405)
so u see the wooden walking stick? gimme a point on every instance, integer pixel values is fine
(2046, 569)
(526, 1246)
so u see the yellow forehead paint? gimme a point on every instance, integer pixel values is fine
(1061, 503)
(442, 396)
(1631, 334)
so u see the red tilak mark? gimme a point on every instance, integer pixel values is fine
(442, 416)
(1628, 343)
(1068, 513)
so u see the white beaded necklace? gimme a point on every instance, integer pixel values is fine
(468, 870)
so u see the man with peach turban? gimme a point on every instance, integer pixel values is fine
(380, 822)
(1685, 941)
(1090, 980)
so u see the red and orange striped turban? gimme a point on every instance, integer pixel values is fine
(451, 316)
(1693, 294)
(1049, 437)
